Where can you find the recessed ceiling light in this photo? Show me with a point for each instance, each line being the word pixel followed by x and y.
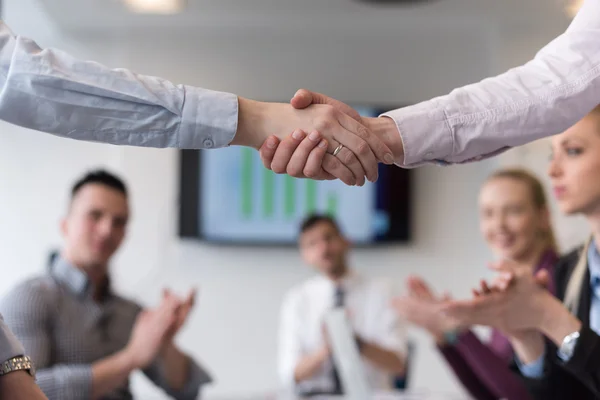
pixel 155 6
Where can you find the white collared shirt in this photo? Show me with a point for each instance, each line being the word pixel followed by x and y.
pixel 300 330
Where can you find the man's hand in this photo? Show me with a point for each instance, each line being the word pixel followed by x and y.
pixel 297 154
pixel 150 332
pixel 185 306
pixel 358 149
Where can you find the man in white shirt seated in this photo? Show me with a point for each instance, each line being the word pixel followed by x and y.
pixel 305 359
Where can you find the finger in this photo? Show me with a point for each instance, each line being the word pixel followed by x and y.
pixel 360 156
pixel 351 161
pixel 542 277
pixel 334 166
pixel 303 98
pixel 268 149
pixel 285 150
pixel 376 147
pixel 314 165
pixel 446 296
pixel 484 287
pixel 191 298
pixel 299 159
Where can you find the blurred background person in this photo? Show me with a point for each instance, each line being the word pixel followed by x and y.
pixel 84 339
pixel 515 222
pixel 305 358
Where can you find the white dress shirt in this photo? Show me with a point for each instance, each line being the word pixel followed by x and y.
pixel 300 331
pixel 541 98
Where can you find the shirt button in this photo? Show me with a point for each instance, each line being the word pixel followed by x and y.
pixel 208 143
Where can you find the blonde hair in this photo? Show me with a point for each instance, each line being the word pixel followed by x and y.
pixel 573 291
pixel 538 196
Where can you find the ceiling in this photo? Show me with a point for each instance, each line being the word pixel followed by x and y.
pixel 93 15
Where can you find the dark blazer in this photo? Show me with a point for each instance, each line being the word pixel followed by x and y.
pixel 579 378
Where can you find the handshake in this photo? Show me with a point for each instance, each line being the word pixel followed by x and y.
pixel 318 137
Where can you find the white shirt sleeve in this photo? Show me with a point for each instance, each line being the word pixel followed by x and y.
pixel 50 91
pixel 289 346
pixel 544 97
pixel 391 329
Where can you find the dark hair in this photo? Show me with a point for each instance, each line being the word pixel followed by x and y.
pixel 315 219
pixel 101 177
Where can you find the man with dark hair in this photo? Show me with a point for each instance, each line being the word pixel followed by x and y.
pixel 305 363
pixel 83 338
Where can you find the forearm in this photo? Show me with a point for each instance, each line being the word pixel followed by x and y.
pixel 310 364
pixel 557 321
pixel 20 385
pixel 383 358
pixel 111 373
pixel 176 367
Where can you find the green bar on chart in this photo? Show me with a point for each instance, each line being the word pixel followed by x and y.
pixel 268 193
pixel 247 185
pixel 311 196
pixel 289 196
pixel 332 202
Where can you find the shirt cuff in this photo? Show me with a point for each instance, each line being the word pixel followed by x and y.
pixel 425 133
pixel 10 347
pixel 197 376
pixel 66 382
pixel 534 370
pixel 209 119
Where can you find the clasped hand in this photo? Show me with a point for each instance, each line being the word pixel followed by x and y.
pixel 319 138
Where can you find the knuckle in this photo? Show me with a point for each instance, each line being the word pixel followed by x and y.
pixel 310 172
pixel 363 148
pixel 349 158
pixel 294 171
pixel 362 132
pixel 278 168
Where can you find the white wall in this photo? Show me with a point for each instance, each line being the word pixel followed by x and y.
pixel 233 329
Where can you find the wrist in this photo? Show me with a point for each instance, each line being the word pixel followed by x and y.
pixel 251 123
pixel 127 360
pixel 557 321
pixel 385 129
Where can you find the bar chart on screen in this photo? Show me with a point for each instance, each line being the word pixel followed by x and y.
pixel 245 200
pixel 283 194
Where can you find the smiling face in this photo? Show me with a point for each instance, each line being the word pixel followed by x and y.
pixel 95 225
pixel 512 222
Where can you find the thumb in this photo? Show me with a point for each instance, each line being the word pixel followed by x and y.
pixel 304 98
pixel 542 278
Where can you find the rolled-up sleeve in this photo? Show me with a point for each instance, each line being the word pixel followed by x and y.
pixel 50 91
pixel 10 347
pixel 27 310
pixel 197 377
pixel 541 98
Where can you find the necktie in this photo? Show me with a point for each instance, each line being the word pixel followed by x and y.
pixel 338 302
